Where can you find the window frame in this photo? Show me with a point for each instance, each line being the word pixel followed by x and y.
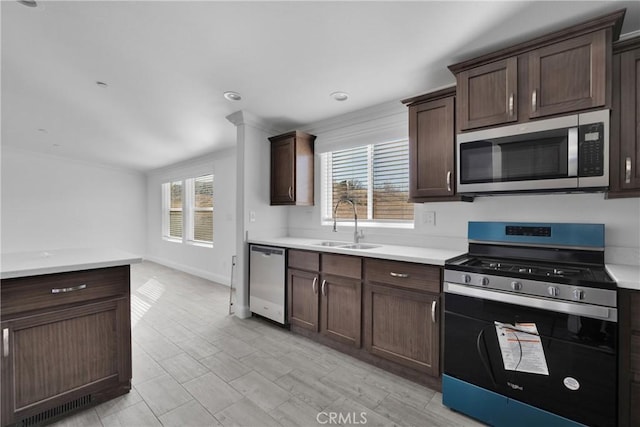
pixel 326 205
pixel 188 211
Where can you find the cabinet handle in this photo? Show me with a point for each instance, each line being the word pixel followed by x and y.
pixel 511 105
pixel 627 170
pixel 433 311
pixel 290 193
pixel 65 290
pixel 534 100
pixel 399 275
pixel 324 291
pixel 449 181
pixel 5 342
pixel 314 285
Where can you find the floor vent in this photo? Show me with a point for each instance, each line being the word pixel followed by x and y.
pixel 45 416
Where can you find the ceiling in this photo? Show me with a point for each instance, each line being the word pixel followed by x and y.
pixel 167 64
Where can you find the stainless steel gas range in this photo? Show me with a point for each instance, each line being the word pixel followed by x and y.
pixel 531 326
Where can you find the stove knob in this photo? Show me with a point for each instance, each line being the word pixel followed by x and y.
pixel 484 281
pixel 553 291
pixel 578 294
pixel 516 286
pixel 466 278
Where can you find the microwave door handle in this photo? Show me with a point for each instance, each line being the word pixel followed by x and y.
pixel 572 152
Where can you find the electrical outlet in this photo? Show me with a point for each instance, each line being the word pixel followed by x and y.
pixel 252 216
pixel 429 218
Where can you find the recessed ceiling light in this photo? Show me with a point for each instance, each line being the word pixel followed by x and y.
pixel 28 3
pixel 101 84
pixel 340 96
pixel 232 96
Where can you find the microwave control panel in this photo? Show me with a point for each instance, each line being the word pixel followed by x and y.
pixel 591 149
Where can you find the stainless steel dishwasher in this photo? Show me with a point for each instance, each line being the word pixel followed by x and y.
pixel 267 282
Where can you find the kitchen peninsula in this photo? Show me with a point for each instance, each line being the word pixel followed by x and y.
pixel 66 331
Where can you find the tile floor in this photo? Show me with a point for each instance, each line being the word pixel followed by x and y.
pixel 194 365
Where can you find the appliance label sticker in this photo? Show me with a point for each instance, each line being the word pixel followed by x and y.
pixel 521 348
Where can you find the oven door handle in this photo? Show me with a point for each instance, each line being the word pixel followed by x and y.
pixel 484 360
pixel 577 309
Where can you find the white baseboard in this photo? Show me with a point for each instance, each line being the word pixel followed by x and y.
pixel 223 280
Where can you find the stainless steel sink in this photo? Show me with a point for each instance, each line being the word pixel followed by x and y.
pixel 360 246
pixel 332 244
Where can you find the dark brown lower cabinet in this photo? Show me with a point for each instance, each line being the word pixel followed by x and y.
pixel 59 359
pixel 341 309
pixel 386 313
pixel 303 299
pixel 398 326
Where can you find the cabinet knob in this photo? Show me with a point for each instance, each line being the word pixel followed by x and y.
pixel 324 290
pixel 627 170
pixel 398 275
pixel 314 285
pixel 449 181
pixel 291 193
pixel 534 100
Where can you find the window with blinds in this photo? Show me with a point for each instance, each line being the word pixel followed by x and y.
pixel 175 209
pixel 203 209
pixel 374 177
pixel 188 210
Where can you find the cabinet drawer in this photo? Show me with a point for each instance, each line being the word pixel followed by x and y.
pixel 51 290
pixel 304 260
pixel 404 274
pixel 342 265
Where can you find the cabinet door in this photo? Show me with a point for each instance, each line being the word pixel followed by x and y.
pixel 568 76
pixel 487 95
pixel 629 120
pixel 65 359
pixel 403 326
pixel 431 149
pixel 303 299
pixel 341 309
pixel 283 172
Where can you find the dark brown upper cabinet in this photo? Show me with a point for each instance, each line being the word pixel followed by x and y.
pixel 624 178
pixel 558 73
pixel 432 146
pixel 490 94
pixel 292 169
pixel 570 75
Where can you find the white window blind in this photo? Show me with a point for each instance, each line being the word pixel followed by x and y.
pixel 175 209
pixel 375 177
pixel 203 209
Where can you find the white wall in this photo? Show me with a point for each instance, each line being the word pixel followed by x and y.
pixel 211 263
pixel 50 202
pixel 389 121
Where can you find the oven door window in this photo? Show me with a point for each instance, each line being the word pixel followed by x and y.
pixel 579 352
pixel 543 155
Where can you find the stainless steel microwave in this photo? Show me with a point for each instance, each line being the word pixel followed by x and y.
pixel 569 153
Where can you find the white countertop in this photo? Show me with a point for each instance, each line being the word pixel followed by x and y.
pixel 627 276
pixel 433 256
pixel 22 264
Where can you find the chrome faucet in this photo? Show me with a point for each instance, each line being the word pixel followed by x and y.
pixel 356 236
